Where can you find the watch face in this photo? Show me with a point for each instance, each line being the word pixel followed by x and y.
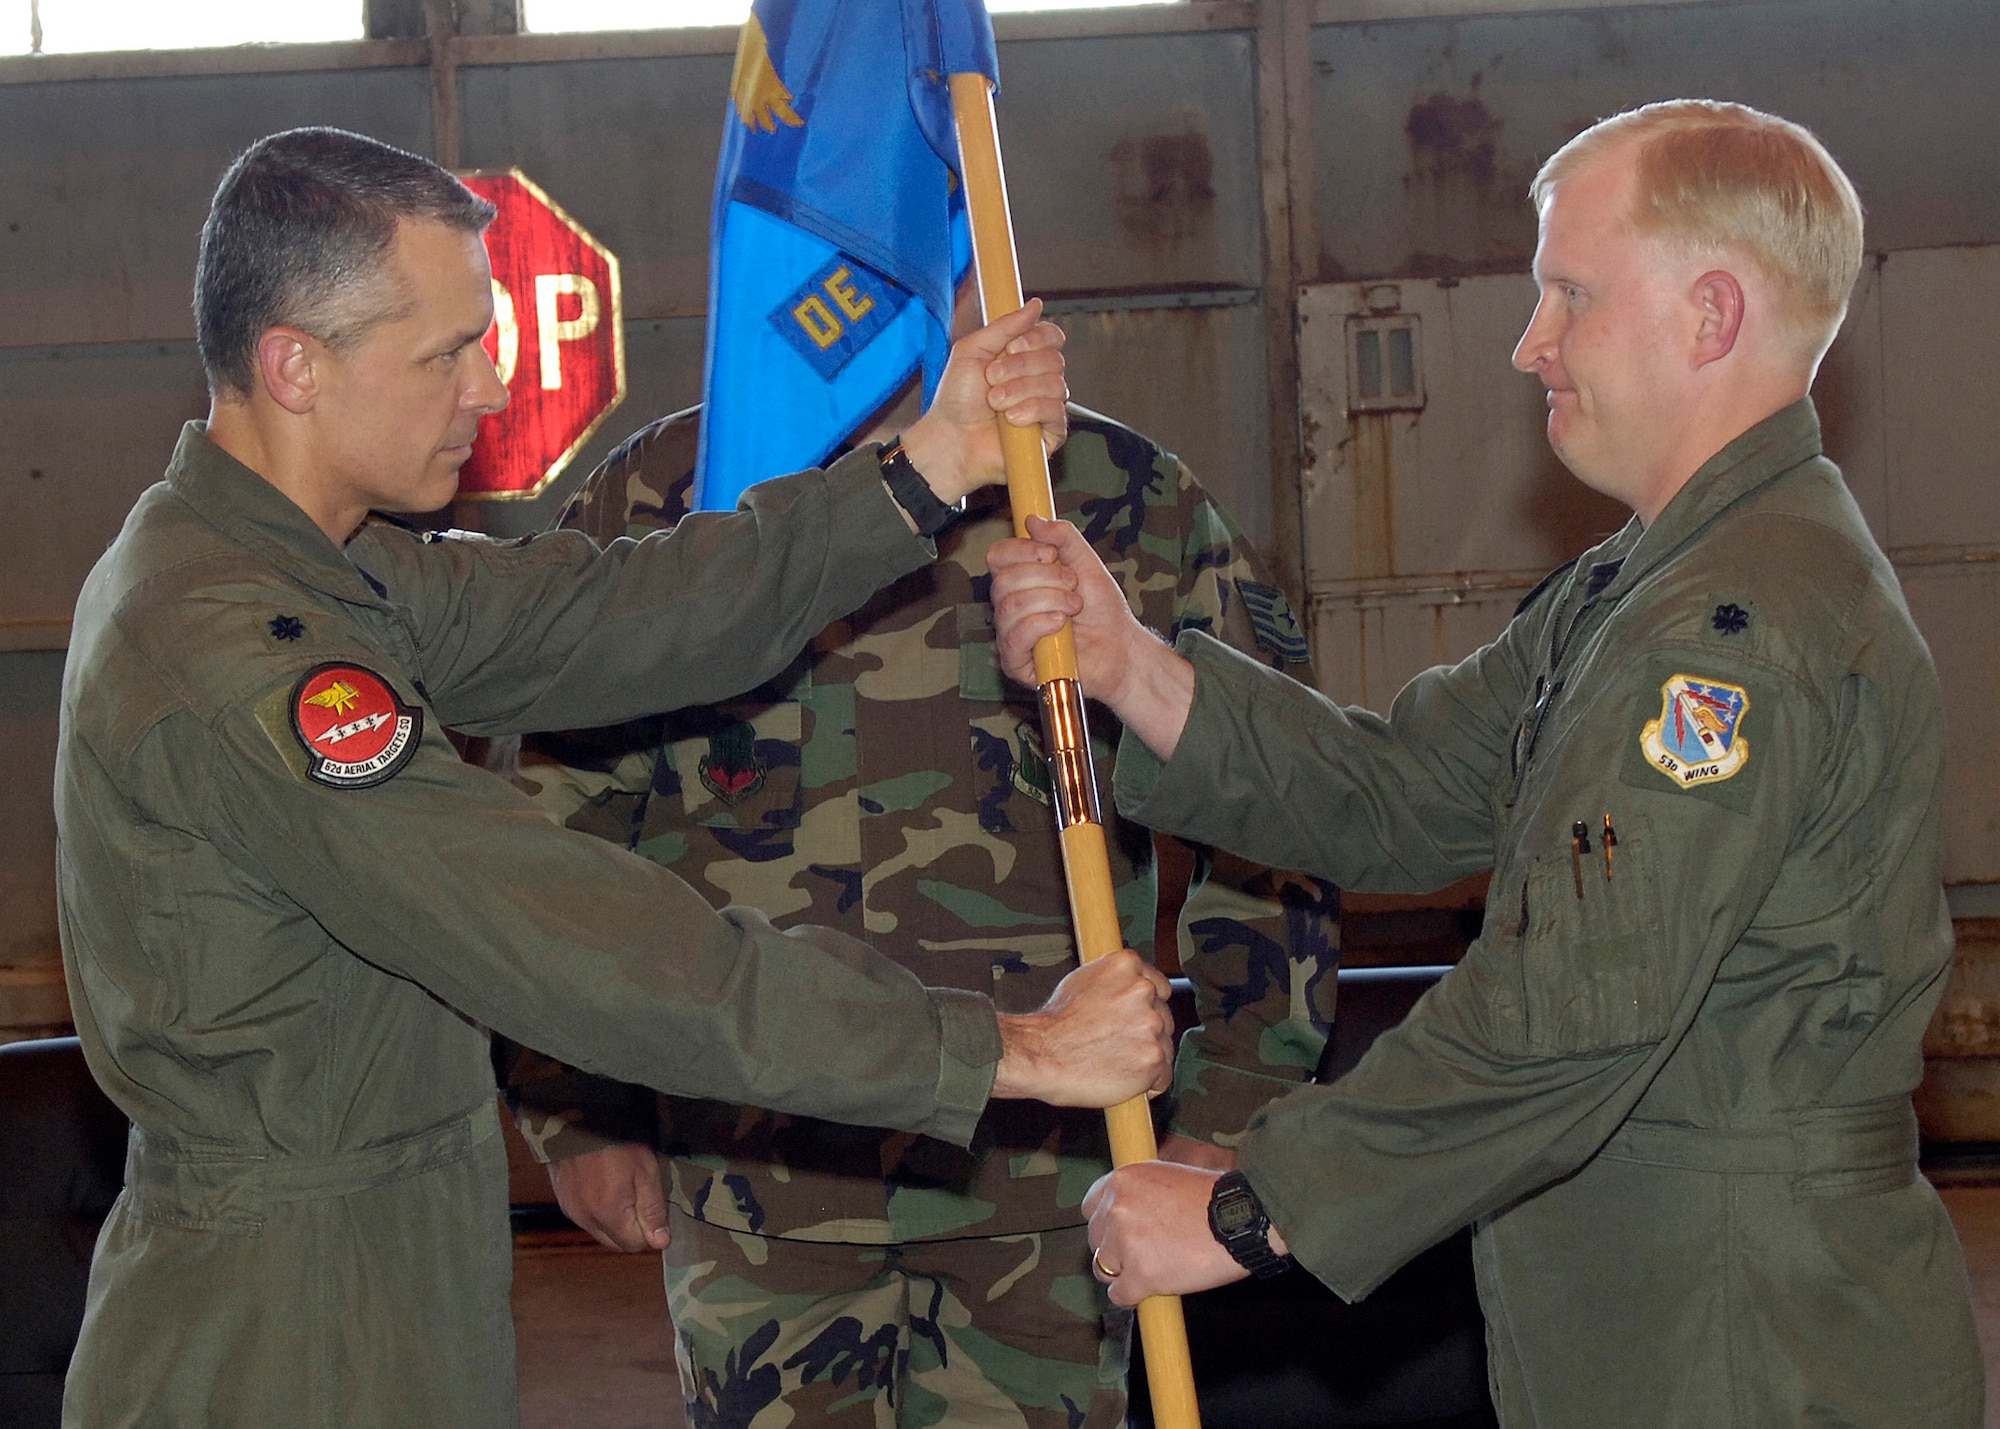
pixel 1234 1214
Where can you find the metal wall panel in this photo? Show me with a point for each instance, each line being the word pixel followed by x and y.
pixel 87 429
pixel 1427 132
pixel 1132 161
pixel 1941 393
pixel 103 186
pixel 31 993
pixel 1368 646
pixel 1940 399
pixel 628 147
pixel 1848 394
pixel 1957 607
pixel 1192 379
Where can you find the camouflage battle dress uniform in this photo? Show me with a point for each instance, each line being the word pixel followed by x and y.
pixel 888 784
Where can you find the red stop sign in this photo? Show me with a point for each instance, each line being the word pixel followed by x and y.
pixel 558 340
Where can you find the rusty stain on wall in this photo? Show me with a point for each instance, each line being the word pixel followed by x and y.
pixel 1467 197
pixel 1449 136
pixel 1166 184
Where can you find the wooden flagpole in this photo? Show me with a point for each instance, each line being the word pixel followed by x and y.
pixel 1086 867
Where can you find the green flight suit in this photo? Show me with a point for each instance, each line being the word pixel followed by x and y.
pixel 287 985
pixel 1669 1084
pixel 892 784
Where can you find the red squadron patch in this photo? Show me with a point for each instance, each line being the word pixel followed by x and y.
pixel 355 731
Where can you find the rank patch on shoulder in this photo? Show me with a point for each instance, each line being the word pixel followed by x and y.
pixel 1698 738
pixel 1277 628
pixel 356 732
pixel 1730 618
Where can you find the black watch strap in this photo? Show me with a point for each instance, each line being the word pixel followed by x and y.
pixel 1236 1218
pixel 912 492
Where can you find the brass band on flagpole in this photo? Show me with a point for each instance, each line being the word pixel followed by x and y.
pixel 1086 866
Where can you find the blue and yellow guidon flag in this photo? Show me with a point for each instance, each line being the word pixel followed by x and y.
pixel 839 231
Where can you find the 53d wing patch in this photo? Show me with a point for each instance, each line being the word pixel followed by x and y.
pixel 1698 738
pixel 355 731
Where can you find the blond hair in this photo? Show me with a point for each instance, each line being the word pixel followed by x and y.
pixel 1719 175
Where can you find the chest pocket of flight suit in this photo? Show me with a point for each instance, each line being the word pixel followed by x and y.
pixel 1596 973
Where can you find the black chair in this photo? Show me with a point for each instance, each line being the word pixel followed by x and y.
pixel 1287 1353
pixel 62 1162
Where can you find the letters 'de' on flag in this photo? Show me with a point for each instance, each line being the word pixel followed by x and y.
pixel 557 340
pixel 839 230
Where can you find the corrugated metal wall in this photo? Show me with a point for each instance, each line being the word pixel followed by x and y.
pixel 1177 174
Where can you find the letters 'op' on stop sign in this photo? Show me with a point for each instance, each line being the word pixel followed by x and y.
pixel 558 340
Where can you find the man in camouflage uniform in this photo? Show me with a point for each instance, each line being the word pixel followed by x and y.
pixel 890 782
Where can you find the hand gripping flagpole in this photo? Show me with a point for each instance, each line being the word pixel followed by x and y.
pixel 1087 869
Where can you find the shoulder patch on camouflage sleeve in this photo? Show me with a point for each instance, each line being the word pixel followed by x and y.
pixel 1271 617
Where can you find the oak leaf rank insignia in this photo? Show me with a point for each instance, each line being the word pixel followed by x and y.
pixel 356 731
pixel 1698 738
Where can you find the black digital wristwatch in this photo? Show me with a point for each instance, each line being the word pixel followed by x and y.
pixel 1237 1218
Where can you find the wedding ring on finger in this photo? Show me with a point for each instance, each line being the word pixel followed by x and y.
pixel 1104 1272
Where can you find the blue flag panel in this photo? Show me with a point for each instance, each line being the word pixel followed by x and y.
pixel 839 232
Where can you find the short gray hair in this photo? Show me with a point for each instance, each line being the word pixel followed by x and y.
pixel 297 234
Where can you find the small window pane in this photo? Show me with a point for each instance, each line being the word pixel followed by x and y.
pixel 1368 363
pixel 629 14
pixel 1402 362
pixel 653 14
pixel 74 26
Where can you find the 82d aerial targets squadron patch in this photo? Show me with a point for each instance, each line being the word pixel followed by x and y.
pixel 356 732
pixel 1698 738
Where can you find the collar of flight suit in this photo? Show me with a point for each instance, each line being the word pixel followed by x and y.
pixel 1774 446
pixel 256 515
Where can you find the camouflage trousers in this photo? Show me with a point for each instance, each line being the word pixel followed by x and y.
pixel 1007 1333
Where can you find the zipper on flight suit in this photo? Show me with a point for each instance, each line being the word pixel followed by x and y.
pixel 1561 635
pixel 1548 688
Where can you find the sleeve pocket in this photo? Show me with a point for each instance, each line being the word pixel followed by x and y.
pixel 1594 967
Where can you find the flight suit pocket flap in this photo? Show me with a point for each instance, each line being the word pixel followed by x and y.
pixel 1593 955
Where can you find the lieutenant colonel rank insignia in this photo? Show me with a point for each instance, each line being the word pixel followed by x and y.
pixel 1698 738
pixel 356 732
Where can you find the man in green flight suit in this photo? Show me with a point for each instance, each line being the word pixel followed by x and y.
pixel 890 783
pixel 1669 1085
pixel 290 913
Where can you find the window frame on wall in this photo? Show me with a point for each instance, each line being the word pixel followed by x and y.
pixel 181 33
pixel 714 13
